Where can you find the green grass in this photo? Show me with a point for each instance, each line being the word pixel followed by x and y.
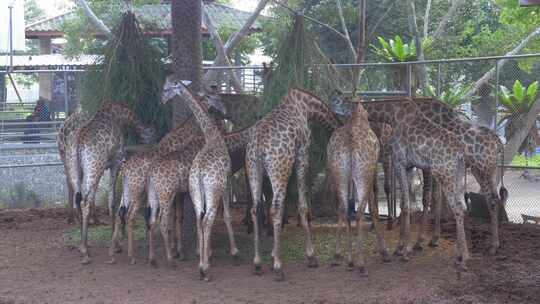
pixel 102 233
pixel 521 160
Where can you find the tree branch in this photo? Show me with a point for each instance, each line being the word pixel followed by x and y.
pixel 345 31
pixel 426 18
pixel 372 32
pixel 100 26
pixel 421 69
pixel 523 127
pixel 220 48
pixel 491 73
pixel 233 41
pixel 441 29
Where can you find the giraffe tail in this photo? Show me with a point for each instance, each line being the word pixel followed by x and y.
pixel 203 197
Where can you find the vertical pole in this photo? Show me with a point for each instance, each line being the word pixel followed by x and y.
pixel 66 95
pixel 408 80
pixel 10 37
pixel 439 79
pixel 494 122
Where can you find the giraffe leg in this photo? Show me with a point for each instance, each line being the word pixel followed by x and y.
pixel 207 223
pixel 379 229
pixel 276 213
pixel 178 227
pixel 255 177
pixel 404 231
pixel 361 263
pixel 302 166
pixel 115 240
pixel 449 190
pixel 436 205
pixel 85 210
pixel 227 218
pixel 488 189
pixel 341 186
pixel 426 197
pixel 132 213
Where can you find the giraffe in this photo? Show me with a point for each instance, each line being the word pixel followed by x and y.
pixel 278 142
pixel 96 146
pixel 170 175
pixel 137 167
pixel 416 141
pixel 209 170
pixel 68 128
pixel 352 152
pixel 482 146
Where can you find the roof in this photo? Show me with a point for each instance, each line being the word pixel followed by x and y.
pixel 52 61
pixel 157 15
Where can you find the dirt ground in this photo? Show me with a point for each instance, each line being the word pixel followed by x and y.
pixel 37 265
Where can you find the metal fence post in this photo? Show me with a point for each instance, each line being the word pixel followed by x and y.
pixel 66 93
pixel 494 123
pixel 409 80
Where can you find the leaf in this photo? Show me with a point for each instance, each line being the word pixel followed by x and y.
pixel 399 49
pixel 532 90
pixel 519 91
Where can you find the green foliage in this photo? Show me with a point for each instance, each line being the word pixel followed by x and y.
pixel 72 236
pixel 454 97
pixel 131 72
pixel 525 161
pixel 520 99
pixel 18 196
pixel 79 32
pixel 395 50
pixel 246 47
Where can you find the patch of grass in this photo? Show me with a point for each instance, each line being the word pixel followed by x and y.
pixel 521 160
pixel 102 233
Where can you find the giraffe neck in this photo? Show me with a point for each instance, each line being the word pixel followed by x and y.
pixel 443 115
pixel 359 120
pixel 207 125
pixel 316 109
pixel 381 111
pixel 238 140
pixel 121 114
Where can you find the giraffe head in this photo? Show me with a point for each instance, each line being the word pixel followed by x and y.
pixel 339 105
pixel 176 87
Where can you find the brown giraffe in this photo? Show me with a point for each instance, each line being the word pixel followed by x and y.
pixel 482 147
pixel 278 142
pixel 96 146
pixel 209 170
pixel 352 154
pixel 170 175
pixel 137 167
pixel 69 127
pixel 418 142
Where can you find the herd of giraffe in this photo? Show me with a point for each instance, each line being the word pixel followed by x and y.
pixel 415 133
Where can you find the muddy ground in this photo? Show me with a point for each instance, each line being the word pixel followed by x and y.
pixel 39 264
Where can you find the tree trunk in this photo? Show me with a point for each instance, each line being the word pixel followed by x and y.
pixel 426 18
pixel 485 107
pixel 187 64
pixel 413 27
pixel 100 26
pixel 523 128
pixel 221 51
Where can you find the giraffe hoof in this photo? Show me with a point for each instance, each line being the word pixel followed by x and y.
pixel 257 270
pixel 405 258
pixel 386 257
pixel 132 261
pixel 362 271
pixel 313 262
pixel 86 260
pixel 337 260
pixel 418 247
pixel 112 261
pixel 350 266
pixel 237 260
pixel 279 276
pixel 434 243
pixel 153 263
pixel 399 251
pixel 204 276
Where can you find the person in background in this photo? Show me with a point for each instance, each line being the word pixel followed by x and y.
pixel 41 110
